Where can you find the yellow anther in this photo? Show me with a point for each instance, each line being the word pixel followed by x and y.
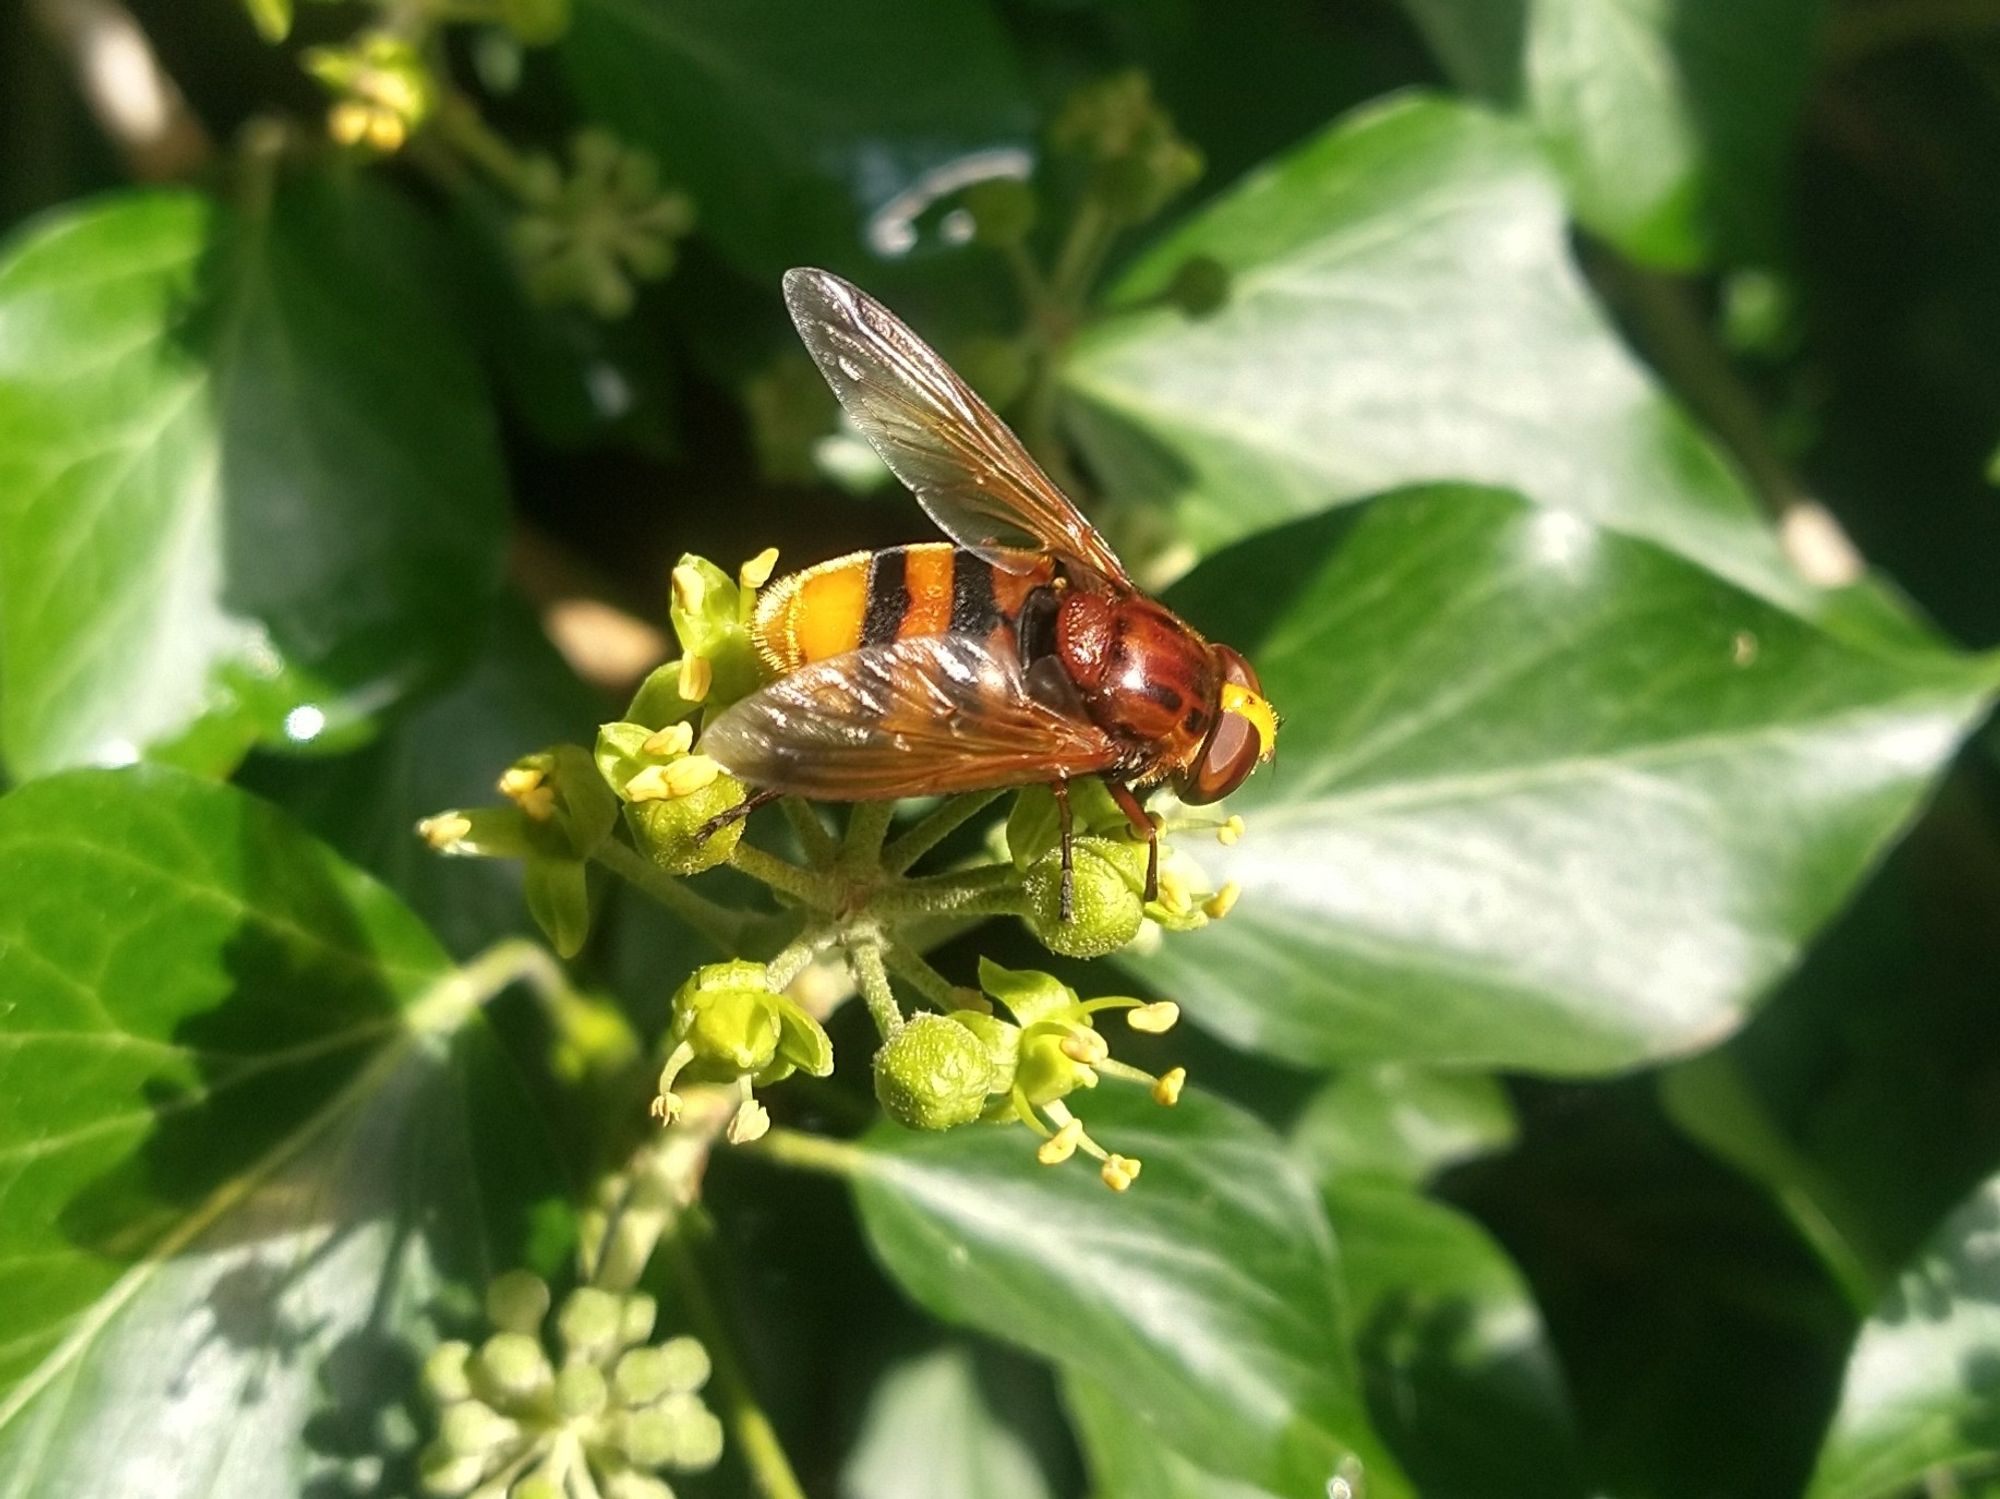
pixel 519 781
pixel 674 739
pixel 689 589
pixel 1167 1087
pixel 1223 901
pixel 347 122
pixel 696 677
pixel 1174 893
pixel 757 571
pixel 1120 1171
pixel 751 1122
pixel 1060 1146
pixel 667 1107
pixel 444 830
pixel 1230 832
pixel 529 790
pixel 689 774
pixel 1085 1046
pixel 649 785
pixel 1154 1019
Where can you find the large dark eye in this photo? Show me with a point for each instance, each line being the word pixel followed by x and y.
pixel 1236 669
pixel 1231 755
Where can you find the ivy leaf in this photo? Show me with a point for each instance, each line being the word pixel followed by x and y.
pixel 1404 1124
pixel 1546 797
pixel 1670 123
pixel 940 1425
pixel 252 1132
pixel 799 140
pixel 1402 307
pixel 1922 1392
pixel 249 481
pixel 1125 1460
pixel 1461 1377
pixel 1208 1295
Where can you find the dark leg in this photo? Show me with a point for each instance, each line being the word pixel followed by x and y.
pixel 1142 827
pixel 1067 905
pixel 736 813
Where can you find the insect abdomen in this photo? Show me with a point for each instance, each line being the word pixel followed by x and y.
pixel 874 598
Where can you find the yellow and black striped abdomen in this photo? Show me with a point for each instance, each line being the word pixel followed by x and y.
pixel 873 598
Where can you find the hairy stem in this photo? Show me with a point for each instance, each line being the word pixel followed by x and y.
pixel 867 824
pixel 917 972
pixel 812 834
pixel 934 827
pixel 865 957
pixel 807 1152
pixel 783 876
pixel 721 926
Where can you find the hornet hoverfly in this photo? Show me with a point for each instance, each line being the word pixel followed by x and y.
pixel 1017 652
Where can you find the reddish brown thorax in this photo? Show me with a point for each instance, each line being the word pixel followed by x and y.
pixel 1145 677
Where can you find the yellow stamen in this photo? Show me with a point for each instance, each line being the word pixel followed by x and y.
pixel 1084 1046
pixel 443 831
pixel 757 571
pixel 1167 1087
pixel 1174 893
pixel 529 790
pixel 1120 1171
pixel 649 785
pixel 674 739
pixel 689 589
pixel 347 122
pixel 1247 705
pixel 386 132
pixel 1155 1019
pixel 1223 901
pixel 667 1107
pixel 1060 1146
pixel 690 774
pixel 519 781
pixel 1230 832
pixel 695 679
pixel 751 1122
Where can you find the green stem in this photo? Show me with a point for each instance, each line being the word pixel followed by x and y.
pixel 867 825
pixel 459 122
pixel 722 927
pixel 783 876
pixel 756 1437
pixel 812 834
pixel 934 827
pixel 805 1152
pixel 989 890
pixel 792 961
pixel 917 971
pixel 873 980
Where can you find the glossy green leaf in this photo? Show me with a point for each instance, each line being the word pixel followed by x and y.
pixel 937 1427
pixel 1545 797
pixel 252 1130
pixel 1207 1295
pixel 249 480
pixel 1671 122
pixel 1461 1378
pixel 1403 307
pixel 1126 1462
pixel 1921 1398
pixel 798 139
pixel 1402 1123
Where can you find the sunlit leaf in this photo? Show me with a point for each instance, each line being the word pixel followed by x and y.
pixel 1207 1296
pixel 936 1427
pixel 1402 1123
pixel 1545 797
pixel 252 1130
pixel 249 481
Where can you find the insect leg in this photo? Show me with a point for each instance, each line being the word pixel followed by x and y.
pixel 736 813
pixel 1142 826
pixel 1066 906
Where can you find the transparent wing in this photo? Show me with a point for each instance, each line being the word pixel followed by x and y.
pixel 965 467
pixel 934 714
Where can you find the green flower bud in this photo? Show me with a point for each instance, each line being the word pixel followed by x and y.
pixel 670 831
pixel 685 1365
pixel 1002 209
pixel 641 1377
pixel 443 1471
pixel 711 619
pixel 538 1486
pixel 1107 910
pixel 589 1323
pixel 1029 995
pixel 932 1074
pixel 510 1369
pixel 517 1301
pixel 535 22
pixel 648 1437
pixel 635 1323
pixel 999 1041
pixel 629 1484
pixel 446 1376
pixel 563 788
pixel 698 1441
pixel 1047 1071
pixel 1200 286
pixel 735 1026
pixel 1034 826
pixel 470 1428
pixel 581 1391
pixel 558 894
pixel 486 833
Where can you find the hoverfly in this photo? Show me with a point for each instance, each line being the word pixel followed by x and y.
pixel 1018 652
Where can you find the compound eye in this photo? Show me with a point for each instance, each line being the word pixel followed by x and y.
pixel 1236 669
pixel 1231 756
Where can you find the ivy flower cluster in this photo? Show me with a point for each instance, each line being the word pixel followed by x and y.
pixel 647 806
